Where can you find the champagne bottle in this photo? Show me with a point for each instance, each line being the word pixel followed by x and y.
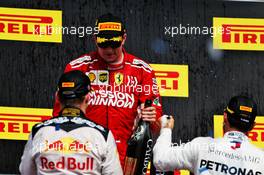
pixel 139 148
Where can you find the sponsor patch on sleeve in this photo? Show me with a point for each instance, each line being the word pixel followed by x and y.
pixel 81 60
pixel 142 63
pixel 98 77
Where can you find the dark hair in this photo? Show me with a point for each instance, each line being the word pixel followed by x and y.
pixel 234 123
pixel 71 102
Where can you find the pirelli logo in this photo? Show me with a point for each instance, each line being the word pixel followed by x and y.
pixel 256 135
pixel 172 79
pixel 115 26
pixel 30 25
pixel 245 108
pixel 16 123
pixel 238 34
pixel 68 84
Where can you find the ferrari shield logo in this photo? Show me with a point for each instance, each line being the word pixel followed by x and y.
pixel 119 78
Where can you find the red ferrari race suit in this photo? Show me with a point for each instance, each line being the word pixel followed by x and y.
pixel 117 92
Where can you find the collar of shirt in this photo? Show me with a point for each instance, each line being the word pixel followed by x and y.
pixel 70 111
pixel 236 135
pixel 112 67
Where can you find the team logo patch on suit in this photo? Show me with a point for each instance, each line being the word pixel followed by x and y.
pixel 235 145
pixel 67 145
pixel 98 77
pixel 92 76
pixel 157 101
pixel 103 77
pixel 71 112
pixel 119 77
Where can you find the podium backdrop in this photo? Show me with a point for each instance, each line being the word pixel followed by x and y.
pixel 29 70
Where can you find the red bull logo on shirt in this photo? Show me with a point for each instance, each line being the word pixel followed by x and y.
pixel 67 145
pixel 68 163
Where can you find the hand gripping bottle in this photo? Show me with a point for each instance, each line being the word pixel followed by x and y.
pixel 139 150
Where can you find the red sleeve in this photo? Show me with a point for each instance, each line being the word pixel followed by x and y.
pixel 56 107
pixel 151 92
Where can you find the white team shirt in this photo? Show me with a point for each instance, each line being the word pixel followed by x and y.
pixel 82 150
pixel 233 154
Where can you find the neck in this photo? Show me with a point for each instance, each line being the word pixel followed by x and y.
pixel 230 129
pixel 83 108
pixel 120 60
pixel 78 106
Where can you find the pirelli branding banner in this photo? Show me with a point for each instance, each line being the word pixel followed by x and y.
pixel 256 135
pixel 30 25
pixel 16 123
pixel 238 34
pixel 173 80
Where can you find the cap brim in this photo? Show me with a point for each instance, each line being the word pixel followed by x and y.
pixel 109 34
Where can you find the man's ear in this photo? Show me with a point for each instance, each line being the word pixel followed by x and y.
pixel 254 124
pixel 86 98
pixel 225 117
pixel 124 39
pixel 56 95
pixel 225 123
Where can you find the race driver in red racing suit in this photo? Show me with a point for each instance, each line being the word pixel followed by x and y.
pixel 121 84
